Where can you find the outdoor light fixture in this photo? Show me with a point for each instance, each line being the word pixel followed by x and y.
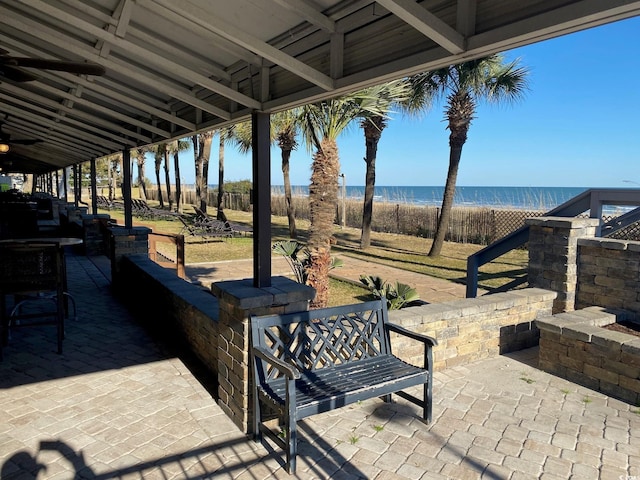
pixel 4 147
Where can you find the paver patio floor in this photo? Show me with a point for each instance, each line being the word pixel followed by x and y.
pixel 118 404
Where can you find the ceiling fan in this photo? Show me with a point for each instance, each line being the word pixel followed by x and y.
pixel 6 142
pixel 12 67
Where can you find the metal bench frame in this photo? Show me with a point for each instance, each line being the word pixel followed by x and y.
pixel 316 361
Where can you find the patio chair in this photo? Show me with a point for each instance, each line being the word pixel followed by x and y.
pixel 217 227
pixel 31 269
pixel 187 228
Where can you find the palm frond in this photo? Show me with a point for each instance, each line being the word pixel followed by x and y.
pixel 328 119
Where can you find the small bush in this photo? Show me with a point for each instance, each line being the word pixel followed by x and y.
pixel 398 295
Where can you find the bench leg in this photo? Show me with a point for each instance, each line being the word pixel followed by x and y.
pixel 291 427
pixel 426 413
pixel 257 417
pixel 291 431
pixel 428 387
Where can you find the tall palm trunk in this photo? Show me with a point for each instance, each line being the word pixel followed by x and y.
pixel 142 188
pixel 204 149
pixel 372 132
pixel 460 113
pixel 323 198
pixel 197 163
pixel 167 179
pixel 176 161
pixel 157 165
pixel 291 211
pixel 113 179
pixel 220 214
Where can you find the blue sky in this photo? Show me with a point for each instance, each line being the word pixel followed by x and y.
pixel 577 126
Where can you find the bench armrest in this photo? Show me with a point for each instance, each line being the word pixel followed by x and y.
pixel 427 340
pixel 289 370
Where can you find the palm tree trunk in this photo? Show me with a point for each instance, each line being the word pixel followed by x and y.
pixel 205 152
pixel 197 163
pixel 372 131
pixel 142 188
pixel 455 153
pixel 158 160
pixel 176 161
pixel 220 214
pixel 291 211
pixel 460 113
pixel 112 181
pixel 167 166
pixel 323 201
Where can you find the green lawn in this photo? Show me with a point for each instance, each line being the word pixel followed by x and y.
pixel 401 251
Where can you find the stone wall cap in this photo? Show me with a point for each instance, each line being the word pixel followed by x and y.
pixel 564 222
pixel 94 215
pixel 120 230
pixel 243 294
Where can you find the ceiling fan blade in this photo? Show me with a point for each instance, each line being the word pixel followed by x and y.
pixel 71 67
pixel 15 74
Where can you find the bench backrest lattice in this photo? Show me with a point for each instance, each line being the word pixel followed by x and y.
pixel 310 342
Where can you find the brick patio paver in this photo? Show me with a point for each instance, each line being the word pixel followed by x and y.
pixel 119 404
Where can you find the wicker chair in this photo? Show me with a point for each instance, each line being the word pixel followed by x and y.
pixel 28 269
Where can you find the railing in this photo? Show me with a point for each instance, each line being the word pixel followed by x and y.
pixel 592 200
pixel 164 260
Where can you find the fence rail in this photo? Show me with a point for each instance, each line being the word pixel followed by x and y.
pixel 166 259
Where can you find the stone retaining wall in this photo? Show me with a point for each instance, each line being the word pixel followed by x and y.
pixel 163 300
pixel 609 274
pixel 574 346
pixel 553 251
pixel 474 328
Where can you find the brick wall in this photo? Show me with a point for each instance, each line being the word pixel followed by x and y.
pixel 575 346
pixel 94 233
pixel 553 251
pixel 165 301
pixel 474 328
pixel 126 241
pixel 609 274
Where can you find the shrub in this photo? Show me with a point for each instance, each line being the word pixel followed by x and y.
pixel 297 255
pixel 398 295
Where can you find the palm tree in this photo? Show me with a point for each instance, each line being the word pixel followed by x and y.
pixel 489 79
pixel 196 155
pixel 114 162
pixel 175 148
pixel 321 124
pixel 225 135
pixel 388 94
pixel 167 166
pixel 285 126
pixel 158 151
pixel 140 159
pixel 202 167
pixel 284 129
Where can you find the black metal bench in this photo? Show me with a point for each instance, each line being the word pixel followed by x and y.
pixel 311 362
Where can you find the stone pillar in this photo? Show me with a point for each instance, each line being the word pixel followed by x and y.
pixel 553 252
pixel 126 241
pixel 238 300
pixel 93 233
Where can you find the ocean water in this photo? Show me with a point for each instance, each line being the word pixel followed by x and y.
pixel 529 198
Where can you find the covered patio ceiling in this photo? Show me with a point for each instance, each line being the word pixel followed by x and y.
pixel 177 67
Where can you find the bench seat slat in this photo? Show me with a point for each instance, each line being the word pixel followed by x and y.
pixel 325 389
